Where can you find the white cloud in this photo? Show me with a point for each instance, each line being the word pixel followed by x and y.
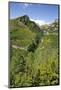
pixel 40 22
pixel 26 5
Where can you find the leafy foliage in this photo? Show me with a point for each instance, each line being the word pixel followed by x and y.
pixel 37 65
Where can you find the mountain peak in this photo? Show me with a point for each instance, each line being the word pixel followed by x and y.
pixel 26 16
pixel 24 19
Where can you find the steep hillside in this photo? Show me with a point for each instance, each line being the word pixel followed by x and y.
pixel 23 31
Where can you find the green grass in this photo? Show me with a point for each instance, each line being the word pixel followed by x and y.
pixel 22 37
pixel 37 68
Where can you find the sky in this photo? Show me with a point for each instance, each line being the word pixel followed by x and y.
pixel 40 13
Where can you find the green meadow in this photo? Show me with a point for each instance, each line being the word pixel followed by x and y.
pixel 34 53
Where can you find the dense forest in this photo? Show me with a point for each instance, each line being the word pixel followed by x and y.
pixel 34 53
